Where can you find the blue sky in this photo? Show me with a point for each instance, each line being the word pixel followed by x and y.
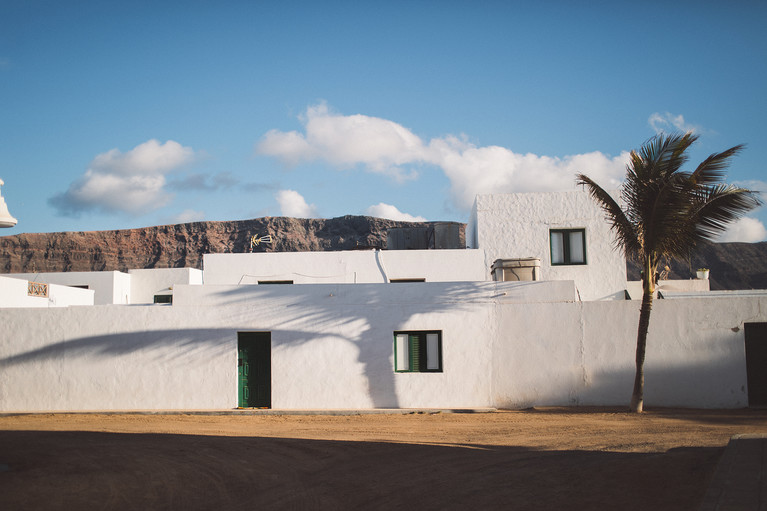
pixel 127 114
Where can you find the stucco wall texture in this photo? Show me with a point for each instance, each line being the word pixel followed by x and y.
pixel 504 344
pixel 517 226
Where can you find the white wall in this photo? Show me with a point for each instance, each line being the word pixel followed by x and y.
pixel 695 353
pixel 14 293
pixel 332 347
pixel 146 283
pixel 635 290
pixel 517 225
pixel 110 287
pixel 349 267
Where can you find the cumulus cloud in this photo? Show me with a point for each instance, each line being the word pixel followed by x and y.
pixel 382 210
pixel 131 182
pixel 662 123
pixel 383 146
pixel 745 230
pixel 346 141
pixel 188 215
pixel 293 204
pixel 755 185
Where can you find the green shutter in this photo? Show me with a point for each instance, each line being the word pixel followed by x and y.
pixel 415 352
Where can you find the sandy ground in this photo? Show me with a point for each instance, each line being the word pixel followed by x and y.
pixel 568 458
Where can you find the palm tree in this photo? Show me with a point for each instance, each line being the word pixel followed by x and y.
pixel 667 213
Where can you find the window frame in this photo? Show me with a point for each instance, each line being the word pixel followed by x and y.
pixel 566 255
pixel 163 298
pixel 423 351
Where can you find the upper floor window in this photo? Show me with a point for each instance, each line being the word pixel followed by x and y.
pixel 568 246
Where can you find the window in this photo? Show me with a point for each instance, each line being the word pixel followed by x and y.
pixel 407 280
pixel 163 298
pixel 568 246
pixel 277 282
pixel 418 352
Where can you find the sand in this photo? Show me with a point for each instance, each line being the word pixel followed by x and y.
pixel 553 458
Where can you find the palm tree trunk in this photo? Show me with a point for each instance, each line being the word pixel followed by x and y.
pixel 637 396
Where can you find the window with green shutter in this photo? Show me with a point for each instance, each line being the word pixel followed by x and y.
pixel 418 351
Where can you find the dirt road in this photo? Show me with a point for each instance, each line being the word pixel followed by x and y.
pixel 577 458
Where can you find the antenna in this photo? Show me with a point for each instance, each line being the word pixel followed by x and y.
pixel 255 240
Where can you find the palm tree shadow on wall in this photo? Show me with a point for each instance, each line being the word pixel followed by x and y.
pixel 352 315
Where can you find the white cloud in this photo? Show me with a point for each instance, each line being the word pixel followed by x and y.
pixel 383 146
pixel 293 204
pixel 205 182
pixel 474 170
pixel 188 215
pixel 131 182
pixel 382 210
pixel 745 230
pixel 661 122
pixel 346 141
pixel 754 185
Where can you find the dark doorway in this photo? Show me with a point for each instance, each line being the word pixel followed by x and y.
pixel 254 369
pixel 756 363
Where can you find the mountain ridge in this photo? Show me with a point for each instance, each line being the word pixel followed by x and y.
pixel 182 245
pixel 732 265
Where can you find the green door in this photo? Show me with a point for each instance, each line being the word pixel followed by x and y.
pixel 254 369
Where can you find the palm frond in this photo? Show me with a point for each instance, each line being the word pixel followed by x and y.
pixel 625 233
pixel 663 155
pixel 718 206
pixel 711 170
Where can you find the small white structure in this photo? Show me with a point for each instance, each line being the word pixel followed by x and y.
pixel 118 288
pixel 15 293
pixel 375 329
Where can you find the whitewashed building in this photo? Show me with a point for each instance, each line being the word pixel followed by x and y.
pixel 383 329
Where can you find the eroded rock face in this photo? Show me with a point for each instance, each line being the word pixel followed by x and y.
pixel 182 245
pixel 732 265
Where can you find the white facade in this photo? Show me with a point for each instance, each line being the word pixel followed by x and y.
pixel 15 293
pixel 332 346
pixel 147 283
pixel 561 340
pixel 114 287
pixel 519 226
pixel 345 267
pixel 109 287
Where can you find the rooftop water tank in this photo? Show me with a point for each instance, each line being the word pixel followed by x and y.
pixel 524 269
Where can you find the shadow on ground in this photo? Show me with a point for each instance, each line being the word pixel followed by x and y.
pixel 90 470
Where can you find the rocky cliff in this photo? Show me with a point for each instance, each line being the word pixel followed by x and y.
pixel 732 265
pixel 182 245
